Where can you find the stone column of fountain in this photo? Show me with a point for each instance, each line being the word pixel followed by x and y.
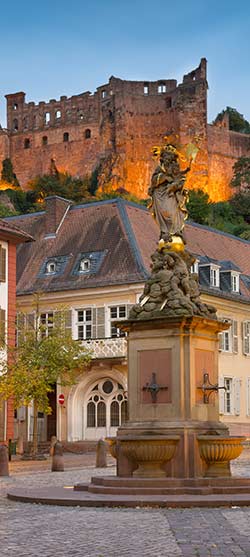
pixel 173 428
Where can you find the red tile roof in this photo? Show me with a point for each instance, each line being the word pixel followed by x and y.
pixel 126 235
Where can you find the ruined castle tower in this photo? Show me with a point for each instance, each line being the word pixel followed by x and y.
pixel 115 128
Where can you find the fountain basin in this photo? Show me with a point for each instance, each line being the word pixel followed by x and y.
pixel 150 453
pixel 217 451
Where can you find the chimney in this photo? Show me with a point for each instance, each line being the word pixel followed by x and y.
pixel 56 209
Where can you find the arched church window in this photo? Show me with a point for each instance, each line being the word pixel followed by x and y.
pixel 91 420
pixel 114 414
pixel 101 414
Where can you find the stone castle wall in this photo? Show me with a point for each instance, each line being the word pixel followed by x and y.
pixel 118 125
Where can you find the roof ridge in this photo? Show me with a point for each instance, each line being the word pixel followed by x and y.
pixel 121 205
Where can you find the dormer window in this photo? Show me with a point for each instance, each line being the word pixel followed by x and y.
pixel 51 267
pixel 235 282
pixel 84 265
pixel 214 276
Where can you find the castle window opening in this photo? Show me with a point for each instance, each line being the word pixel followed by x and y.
pixel 15 106
pixel 58 114
pixel 47 117
pixel 25 123
pixel 104 94
pixel 66 137
pixel 145 89
pixel 162 88
pixel 27 143
pixel 15 124
pixel 80 116
pixel 87 134
pixel 168 102
pixel 45 140
pixel 68 114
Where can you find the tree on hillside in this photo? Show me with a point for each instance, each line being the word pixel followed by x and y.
pixel 237 122
pixel 198 206
pixel 45 355
pixel 241 205
pixel 7 173
pixel 241 174
pixel 61 184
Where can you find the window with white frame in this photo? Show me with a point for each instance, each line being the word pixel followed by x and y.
pixel 248 396
pixel 228 395
pixel 84 265
pixel 194 268
pixel 51 267
pixel 246 337
pixel 228 340
pixel 84 323
pixel 214 276
pixel 46 323
pixel 235 282
pixel 117 313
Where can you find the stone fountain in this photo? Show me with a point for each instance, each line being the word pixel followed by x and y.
pixel 173 450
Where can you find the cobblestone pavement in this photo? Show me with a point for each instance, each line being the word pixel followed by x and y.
pixel 28 530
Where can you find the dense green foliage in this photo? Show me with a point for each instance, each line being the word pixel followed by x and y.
pixel 7 173
pixel 241 177
pixel 237 122
pixel 198 206
pixel 40 361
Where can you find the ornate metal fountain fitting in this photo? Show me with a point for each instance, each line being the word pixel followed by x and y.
pixel 153 388
pixel 208 388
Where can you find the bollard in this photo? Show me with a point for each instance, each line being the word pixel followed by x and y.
pixel 4 463
pixel 19 447
pixel 57 459
pixel 53 441
pixel 101 454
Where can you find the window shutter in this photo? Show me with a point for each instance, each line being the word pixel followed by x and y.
pixel 129 307
pixel 221 396
pixel 221 341
pixel 2 264
pixel 68 320
pixel 246 337
pixel 100 322
pixel 20 326
pixel 237 383
pixel 30 321
pixel 2 327
pixel 248 396
pixel 234 329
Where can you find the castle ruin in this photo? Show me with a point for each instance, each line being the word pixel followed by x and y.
pixel 115 128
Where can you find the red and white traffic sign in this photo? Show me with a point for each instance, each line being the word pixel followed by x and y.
pixel 61 398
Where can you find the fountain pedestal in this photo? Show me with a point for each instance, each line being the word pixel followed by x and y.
pixel 167 360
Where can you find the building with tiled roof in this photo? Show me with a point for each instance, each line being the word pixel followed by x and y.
pixel 93 259
pixel 10 237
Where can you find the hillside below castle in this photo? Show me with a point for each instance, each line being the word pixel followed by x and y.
pixel 113 130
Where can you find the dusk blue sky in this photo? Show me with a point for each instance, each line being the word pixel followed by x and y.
pixel 52 48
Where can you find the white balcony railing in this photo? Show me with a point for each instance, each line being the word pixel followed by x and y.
pixel 106 347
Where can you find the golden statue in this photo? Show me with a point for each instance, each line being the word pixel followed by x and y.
pixel 169 195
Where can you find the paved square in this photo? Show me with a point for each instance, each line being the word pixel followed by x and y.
pixel 43 531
